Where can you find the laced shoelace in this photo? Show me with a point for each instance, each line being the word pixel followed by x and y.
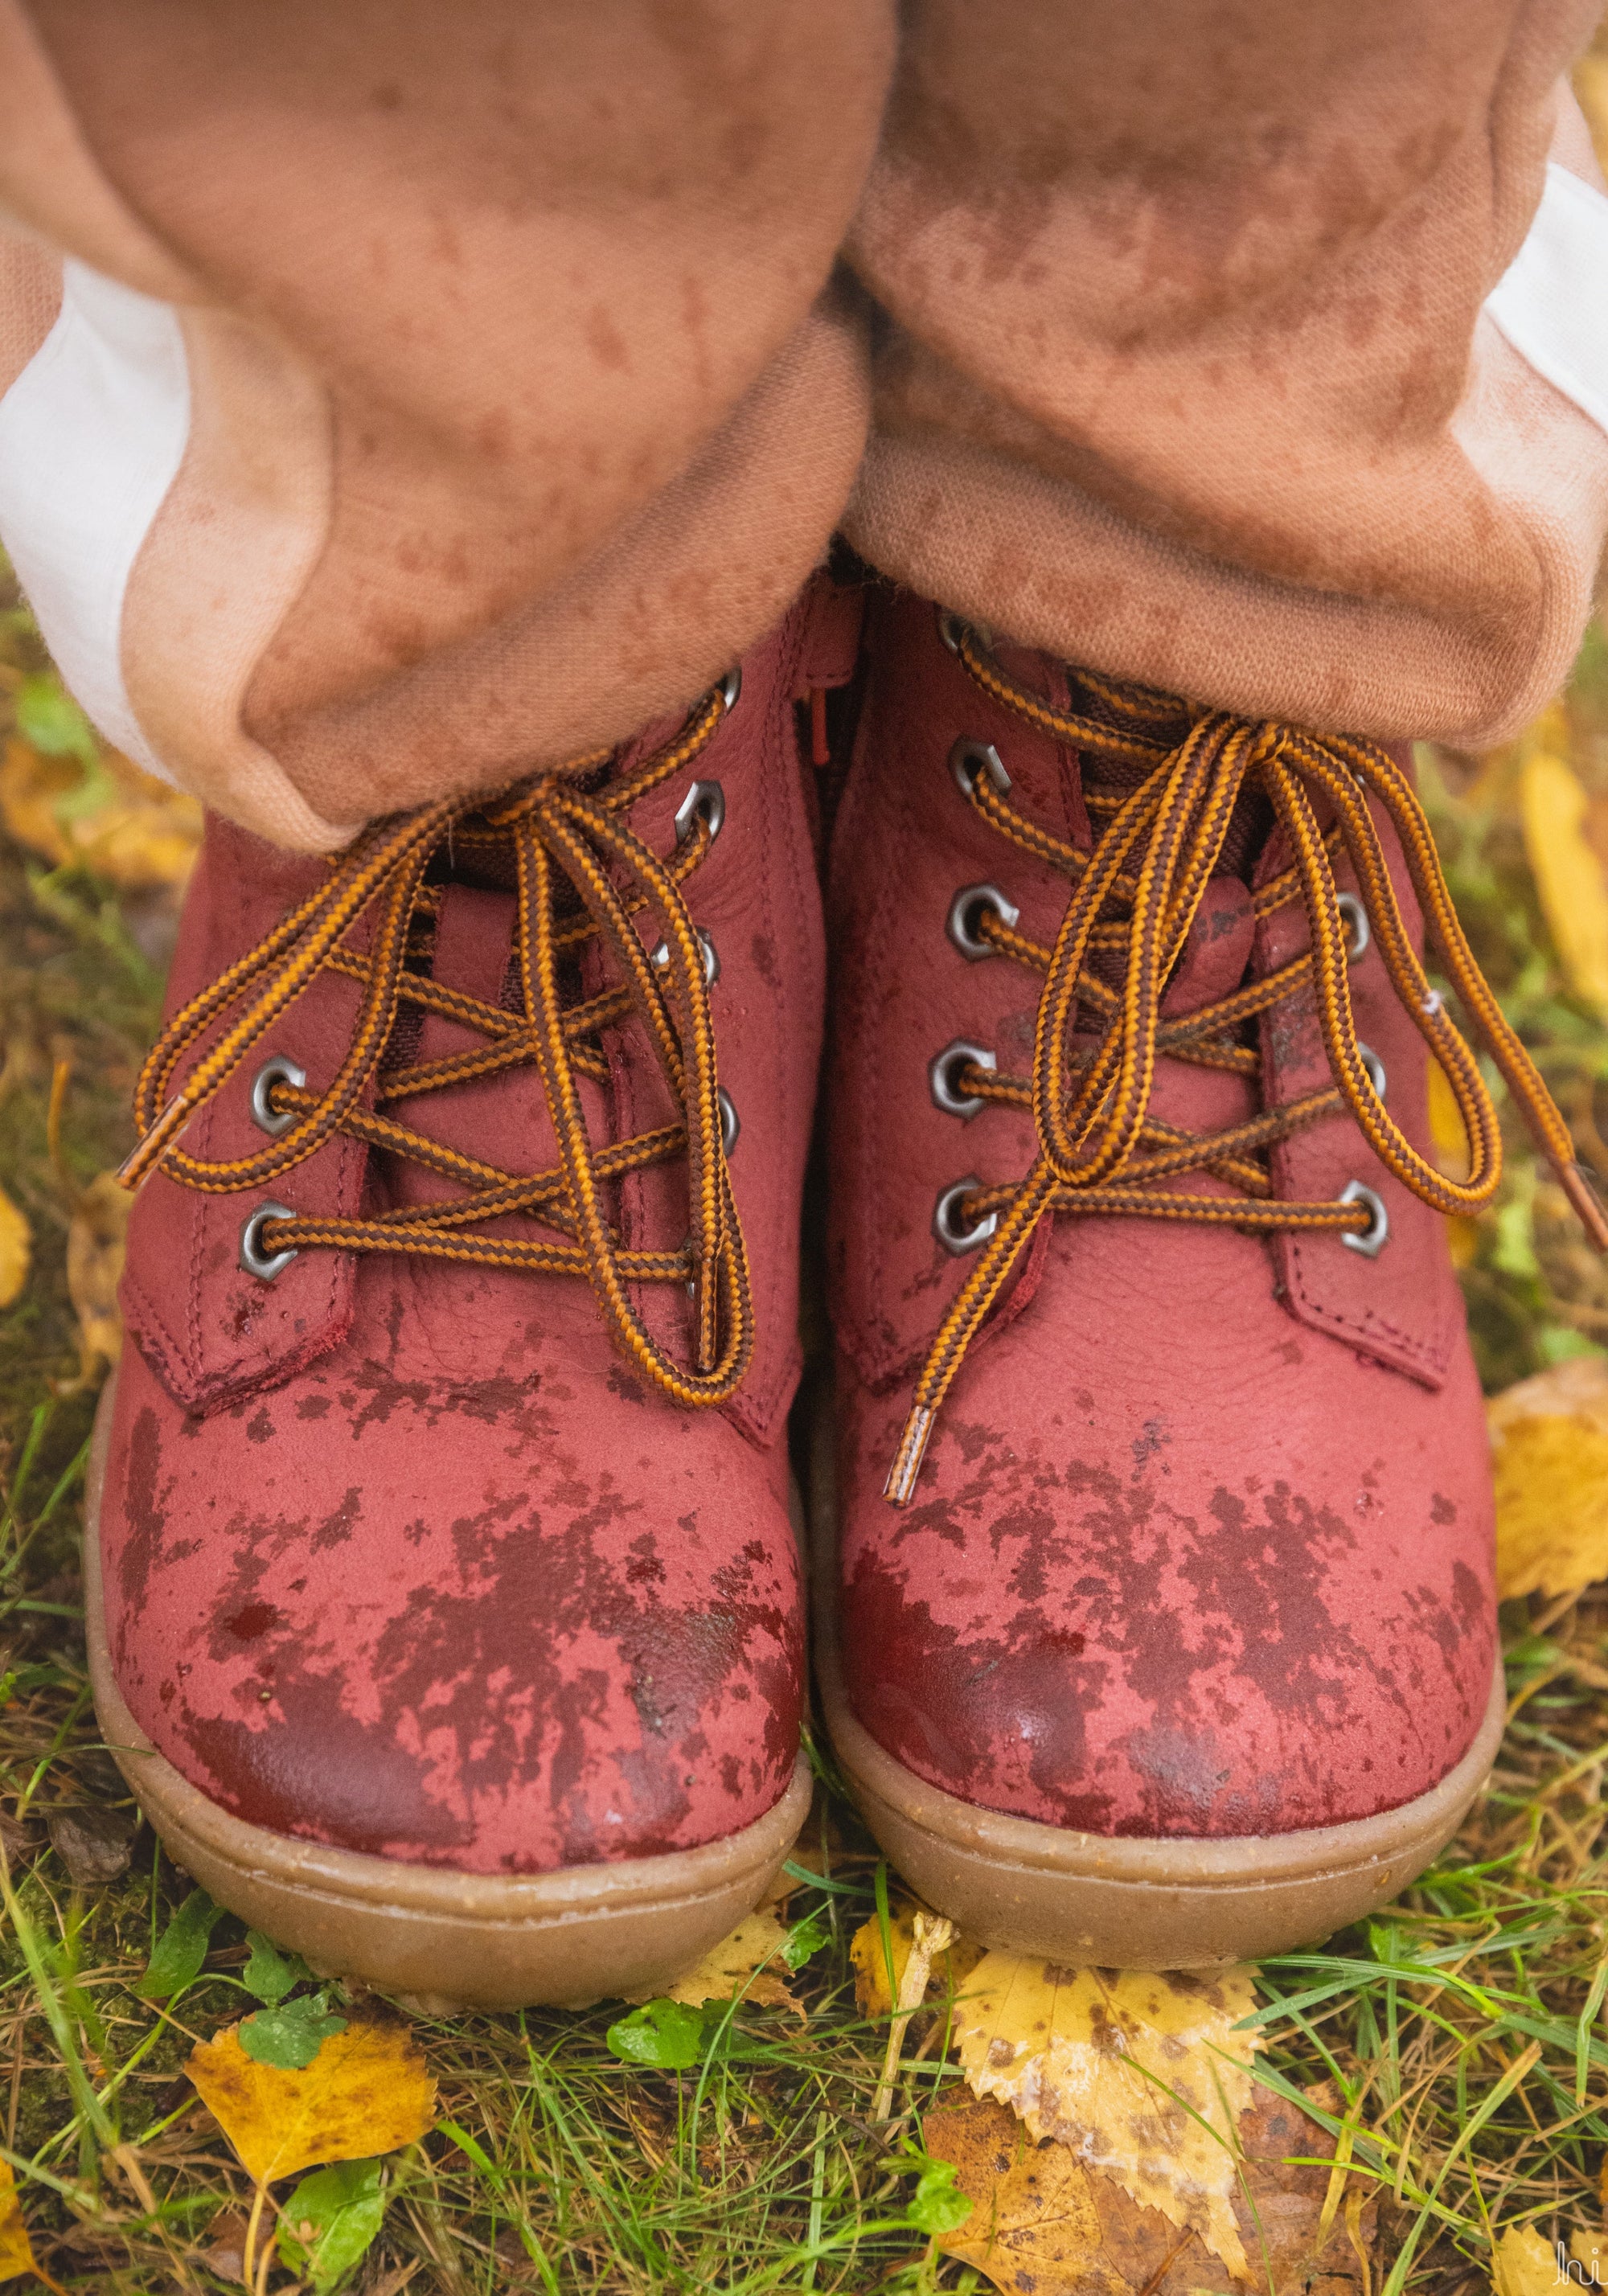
pixel 579 873
pixel 1133 898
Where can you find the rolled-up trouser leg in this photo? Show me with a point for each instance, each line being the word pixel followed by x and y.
pixel 393 399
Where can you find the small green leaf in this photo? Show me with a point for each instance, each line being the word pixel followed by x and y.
pixel 665 2034
pixel 291 2036
pixel 805 1938
pixel 935 2205
pixel 269 1974
pixel 330 2221
pixel 180 1948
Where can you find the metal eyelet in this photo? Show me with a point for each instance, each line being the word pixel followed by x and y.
pixel 1355 915
pixel 264 1116
pixel 1374 1065
pixel 941 1070
pixel 704 801
pixel 951 629
pixel 969 899
pixel 1373 1240
pixel 659 957
pixel 253 1259
pixel 968 758
pixel 729 689
pixel 961 1239
pixel 730 1123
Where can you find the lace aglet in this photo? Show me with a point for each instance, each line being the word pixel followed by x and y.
pixel 903 1474
pixel 146 1154
pixel 1581 1188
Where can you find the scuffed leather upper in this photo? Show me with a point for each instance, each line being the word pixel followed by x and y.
pixel 400 1557
pixel 1202 1542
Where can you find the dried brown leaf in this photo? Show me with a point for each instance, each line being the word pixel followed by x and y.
pixel 94 1845
pixel 1044 2225
pixel 737 1965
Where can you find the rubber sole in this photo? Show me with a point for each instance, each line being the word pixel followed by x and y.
pixel 1088 1901
pixel 443 1939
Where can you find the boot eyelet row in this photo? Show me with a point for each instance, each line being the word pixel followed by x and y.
pixel 659 957
pixel 704 801
pixel 969 759
pixel 963 907
pixel 945 1214
pixel 253 1259
pixel 264 1116
pixel 1373 1239
pixel 1356 918
pixel 943 1069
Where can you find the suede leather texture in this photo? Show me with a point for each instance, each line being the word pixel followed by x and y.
pixel 403 1557
pixel 1202 1545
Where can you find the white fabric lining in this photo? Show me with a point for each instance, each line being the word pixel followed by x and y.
pixel 1552 301
pixel 92 434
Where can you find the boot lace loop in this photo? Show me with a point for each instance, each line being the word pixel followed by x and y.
pixel 581 876
pixel 1135 897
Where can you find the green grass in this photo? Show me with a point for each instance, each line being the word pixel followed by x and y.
pixel 1461 2031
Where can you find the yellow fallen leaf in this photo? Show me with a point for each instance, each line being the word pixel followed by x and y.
pixel 1549 1452
pixel 16 1250
pixel 1590 2251
pixel 950 1968
pixel 367 2091
pixel 16 2251
pixel 1523 2264
pixel 737 1965
pixel 1142 2076
pixel 142 835
pixel 1568 874
pixel 96 1237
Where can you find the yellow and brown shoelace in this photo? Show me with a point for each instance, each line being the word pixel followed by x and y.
pixel 579 874
pixel 1133 898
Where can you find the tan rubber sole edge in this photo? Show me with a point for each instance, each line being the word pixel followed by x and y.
pixel 1088 1901
pixel 444 1940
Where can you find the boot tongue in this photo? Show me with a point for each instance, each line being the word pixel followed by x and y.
pixel 1249 826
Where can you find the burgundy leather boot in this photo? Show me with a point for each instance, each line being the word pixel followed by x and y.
pixel 447 1622
pixel 1177 1645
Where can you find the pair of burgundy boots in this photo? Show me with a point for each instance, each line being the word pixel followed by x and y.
pixel 447 1612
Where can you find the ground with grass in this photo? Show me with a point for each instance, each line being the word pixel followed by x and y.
pixel 1455 2045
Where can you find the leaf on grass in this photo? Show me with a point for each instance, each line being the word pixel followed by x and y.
pixel 1523 2264
pixel 101 809
pixel 951 1969
pixel 665 2034
pixel 1568 874
pixel 96 1238
pixel 1590 2251
pixel 329 2222
pixel 292 2035
pixel 16 1250
pixel 805 1939
pixel 736 1965
pixel 367 2092
pixel 16 2251
pixel 94 1845
pixel 269 1974
pixel 1142 2076
pixel 1043 2222
pixel 1549 1446
pixel 180 1948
